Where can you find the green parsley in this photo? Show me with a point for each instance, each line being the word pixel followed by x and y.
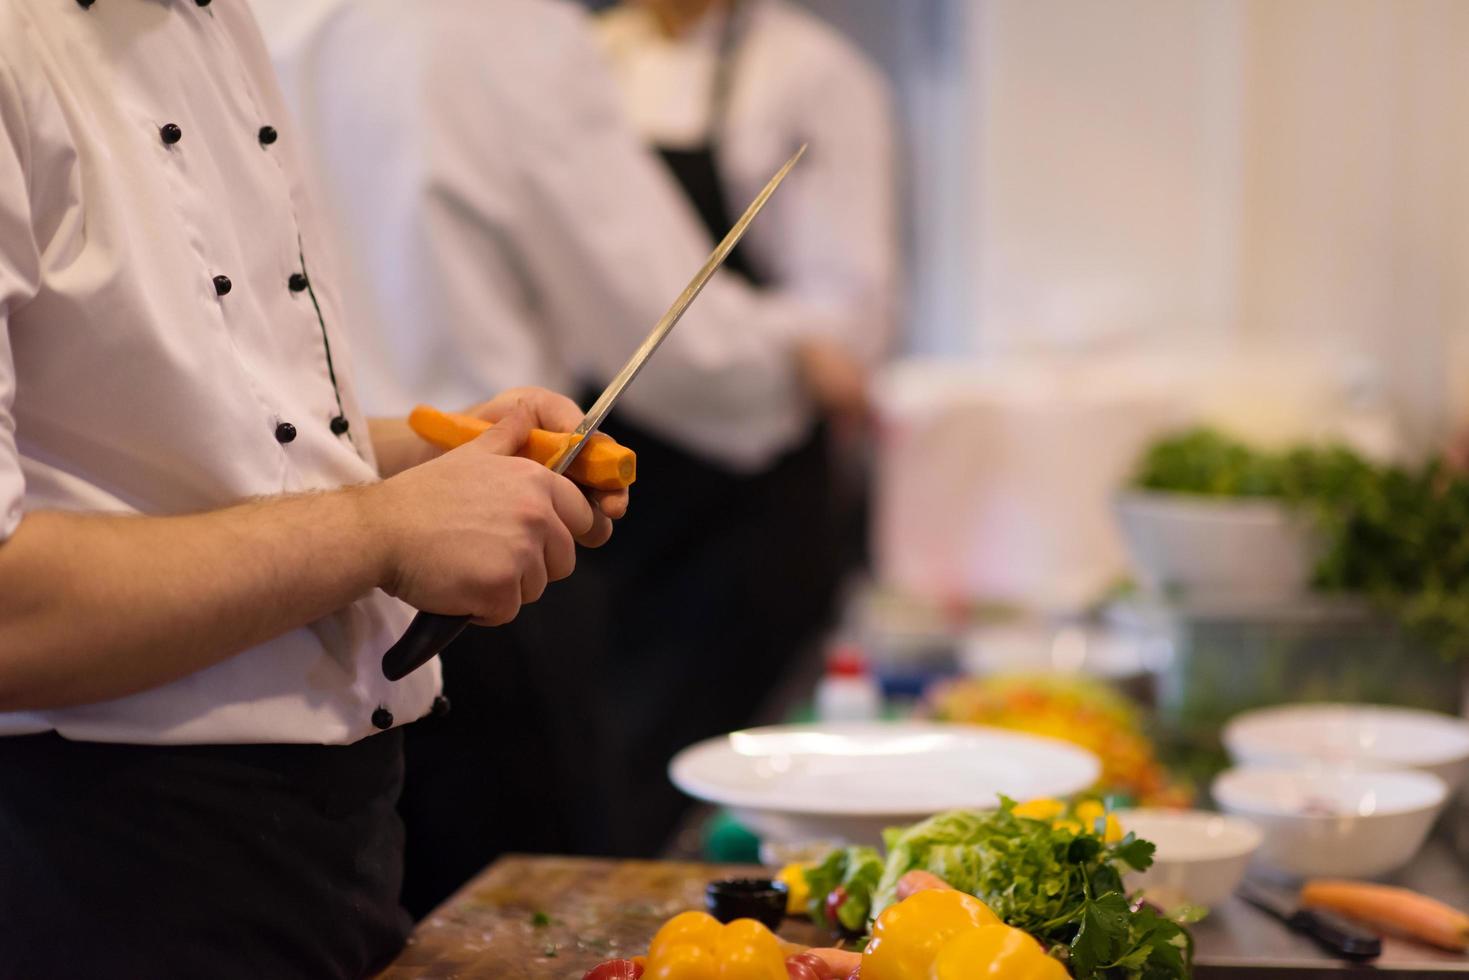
pixel 1393 534
pixel 1063 888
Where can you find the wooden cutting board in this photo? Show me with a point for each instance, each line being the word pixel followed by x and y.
pixel 598 910
pixel 601 909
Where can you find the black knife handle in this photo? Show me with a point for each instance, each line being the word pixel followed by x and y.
pixel 1338 934
pixel 426 638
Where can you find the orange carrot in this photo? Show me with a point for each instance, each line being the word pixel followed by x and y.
pixel 602 465
pixel 1395 910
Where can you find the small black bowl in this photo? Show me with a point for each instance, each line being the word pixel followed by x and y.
pixel 760 899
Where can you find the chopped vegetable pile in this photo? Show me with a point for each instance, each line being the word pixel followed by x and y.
pixel 1079 710
pixel 1059 882
pixel 1394 534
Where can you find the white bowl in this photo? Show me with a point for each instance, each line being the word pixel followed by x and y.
pixel 1361 735
pixel 1340 823
pixel 1237 550
pixel 1201 856
pixel 1049 648
pixel 850 781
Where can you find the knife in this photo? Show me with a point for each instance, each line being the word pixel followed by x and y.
pixel 429 633
pixel 1336 934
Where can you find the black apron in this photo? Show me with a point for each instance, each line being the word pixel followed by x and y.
pixel 219 861
pixel 719 579
pixel 564 720
pixel 523 762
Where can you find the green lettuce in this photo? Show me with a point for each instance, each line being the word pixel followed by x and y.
pixel 1063 888
pixel 854 869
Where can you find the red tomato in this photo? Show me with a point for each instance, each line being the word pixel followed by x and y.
pixel 833 903
pixel 796 970
pixel 614 970
pixel 818 966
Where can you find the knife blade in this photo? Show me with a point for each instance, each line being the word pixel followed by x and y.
pixel 429 633
pixel 1336 934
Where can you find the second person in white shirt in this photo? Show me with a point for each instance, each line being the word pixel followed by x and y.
pixel 506 221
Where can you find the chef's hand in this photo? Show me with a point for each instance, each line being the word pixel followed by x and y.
pixel 480 531
pixel 557 413
pixel 1456 454
pixel 837 382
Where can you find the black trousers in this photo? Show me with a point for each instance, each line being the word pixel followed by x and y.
pixel 523 761
pixel 717 582
pixel 203 861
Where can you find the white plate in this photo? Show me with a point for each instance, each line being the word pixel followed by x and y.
pixel 1352 734
pixel 849 781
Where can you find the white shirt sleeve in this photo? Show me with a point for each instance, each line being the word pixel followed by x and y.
pixel 19 272
pixel 834 241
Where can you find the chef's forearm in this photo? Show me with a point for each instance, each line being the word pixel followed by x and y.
pixel 96 607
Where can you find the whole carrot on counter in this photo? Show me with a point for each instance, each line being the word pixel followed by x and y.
pixel 1396 910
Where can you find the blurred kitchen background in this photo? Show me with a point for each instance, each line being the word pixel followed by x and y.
pixel 1124 221
pixel 1250 212
pixel 1171 428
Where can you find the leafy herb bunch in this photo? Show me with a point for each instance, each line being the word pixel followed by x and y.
pixel 1062 887
pixel 1398 535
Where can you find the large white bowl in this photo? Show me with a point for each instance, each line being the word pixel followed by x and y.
pixel 1362 735
pixel 1201 856
pixel 851 781
pixel 1204 548
pixel 1339 823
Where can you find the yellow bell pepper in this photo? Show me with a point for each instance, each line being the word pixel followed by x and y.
pixel 747 950
pixel 686 929
pixel 908 935
pixel 686 962
pixel 1088 812
pixel 993 951
pixel 1044 809
pixel 695 946
pixel 798 892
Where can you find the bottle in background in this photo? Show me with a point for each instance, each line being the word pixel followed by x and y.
pixel 848 691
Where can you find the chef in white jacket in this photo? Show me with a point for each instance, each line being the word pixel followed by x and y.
pixel 505 220
pixel 723 89
pixel 205 544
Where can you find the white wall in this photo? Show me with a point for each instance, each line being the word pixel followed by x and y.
pixel 1106 170
pixel 1283 178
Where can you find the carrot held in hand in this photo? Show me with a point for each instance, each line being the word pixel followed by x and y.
pixel 1395 910
pixel 602 465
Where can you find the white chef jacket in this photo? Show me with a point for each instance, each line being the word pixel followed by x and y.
pixel 171 337
pixel 830 238
pixel 508 226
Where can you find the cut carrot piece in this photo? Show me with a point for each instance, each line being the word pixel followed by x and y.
pixel 1396 910
pixel 602 465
